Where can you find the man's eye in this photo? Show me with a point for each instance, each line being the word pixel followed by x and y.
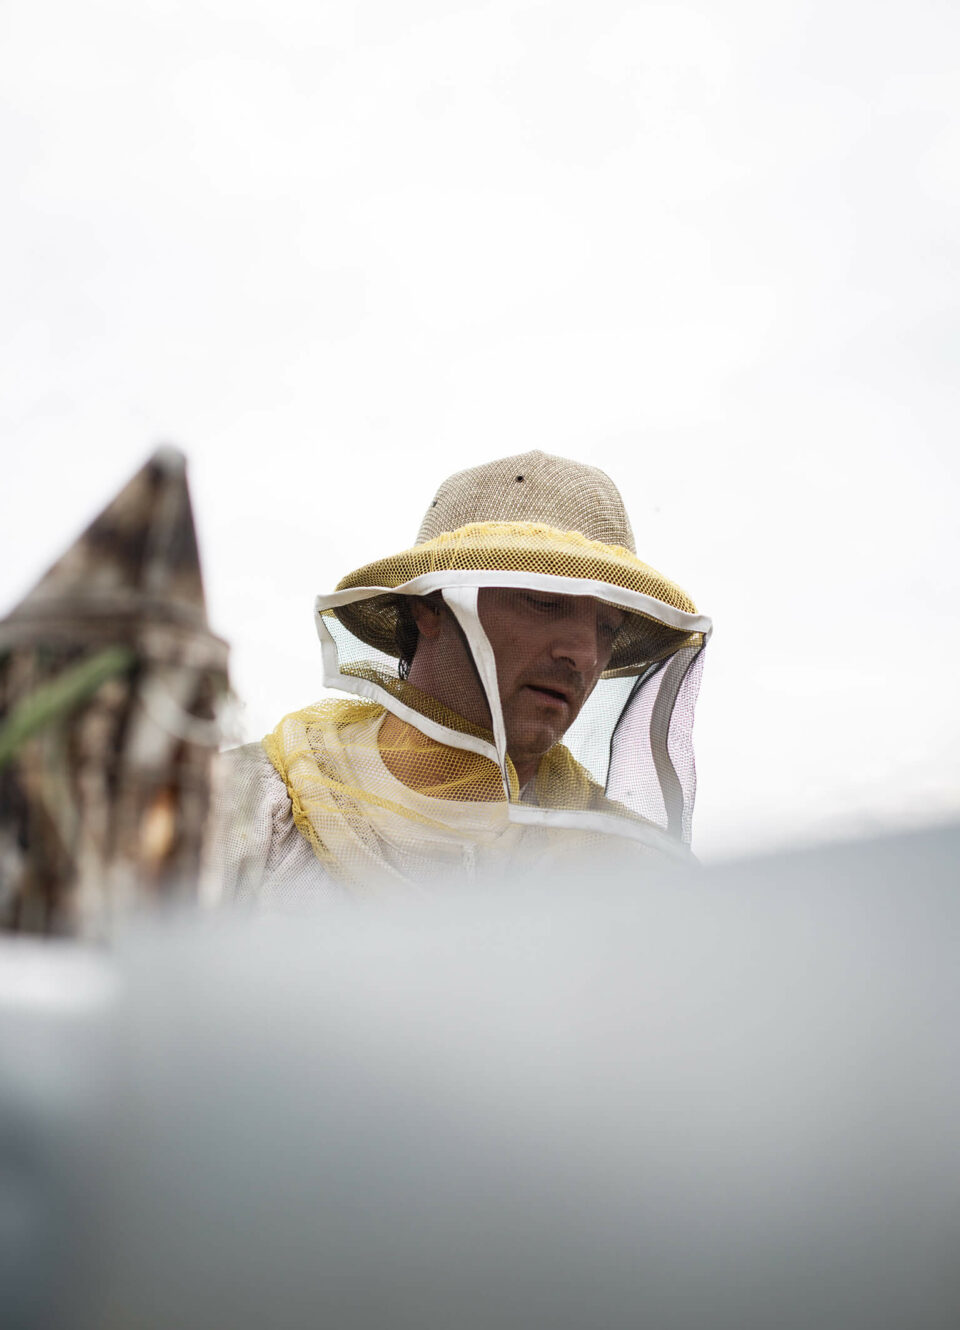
pixel 543 603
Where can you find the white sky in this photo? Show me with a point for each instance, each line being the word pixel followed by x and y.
pixel 337 251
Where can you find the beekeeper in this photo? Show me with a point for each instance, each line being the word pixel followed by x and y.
pixel 520 686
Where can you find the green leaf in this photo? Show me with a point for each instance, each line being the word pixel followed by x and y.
pixel 56 699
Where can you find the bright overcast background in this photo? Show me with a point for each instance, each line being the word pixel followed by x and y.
pixel 335 251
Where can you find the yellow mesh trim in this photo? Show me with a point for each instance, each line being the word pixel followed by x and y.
pixel 522 547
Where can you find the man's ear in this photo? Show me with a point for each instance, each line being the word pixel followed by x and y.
pixel 427 614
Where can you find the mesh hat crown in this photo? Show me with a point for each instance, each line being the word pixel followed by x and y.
pixel 532 487
pixel 531 513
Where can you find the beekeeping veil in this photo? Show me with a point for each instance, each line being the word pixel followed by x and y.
pixel 402 780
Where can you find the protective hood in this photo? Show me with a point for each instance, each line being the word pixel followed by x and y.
pixel 557 710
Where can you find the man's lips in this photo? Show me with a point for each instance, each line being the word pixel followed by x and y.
pixel 551 693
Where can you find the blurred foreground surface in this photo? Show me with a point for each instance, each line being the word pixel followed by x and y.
pixel 729 1099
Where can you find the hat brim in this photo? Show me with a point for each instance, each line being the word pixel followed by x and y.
pixel 542 552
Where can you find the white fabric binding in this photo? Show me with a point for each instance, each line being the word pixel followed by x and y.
pixel 609 823
pixel 565 586
pixel 463 602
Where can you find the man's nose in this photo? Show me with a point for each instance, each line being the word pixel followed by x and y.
pixel 578 641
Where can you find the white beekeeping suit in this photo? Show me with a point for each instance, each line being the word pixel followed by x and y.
pixel 542 703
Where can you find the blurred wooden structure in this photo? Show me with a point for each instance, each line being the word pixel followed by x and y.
pixel 110 685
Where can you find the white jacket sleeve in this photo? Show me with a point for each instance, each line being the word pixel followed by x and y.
pixel 258 854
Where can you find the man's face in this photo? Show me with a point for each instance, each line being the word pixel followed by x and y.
pixel 550 651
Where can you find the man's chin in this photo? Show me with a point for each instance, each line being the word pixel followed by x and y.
pixel 532 747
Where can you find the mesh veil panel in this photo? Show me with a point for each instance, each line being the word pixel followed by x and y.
pixel 651 769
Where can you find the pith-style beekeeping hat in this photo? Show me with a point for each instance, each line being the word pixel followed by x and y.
pixel 531 516
pixel 533 523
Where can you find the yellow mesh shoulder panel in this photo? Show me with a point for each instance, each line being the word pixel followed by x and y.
pixel 561 782
pixel 333 801
pixel 331 777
